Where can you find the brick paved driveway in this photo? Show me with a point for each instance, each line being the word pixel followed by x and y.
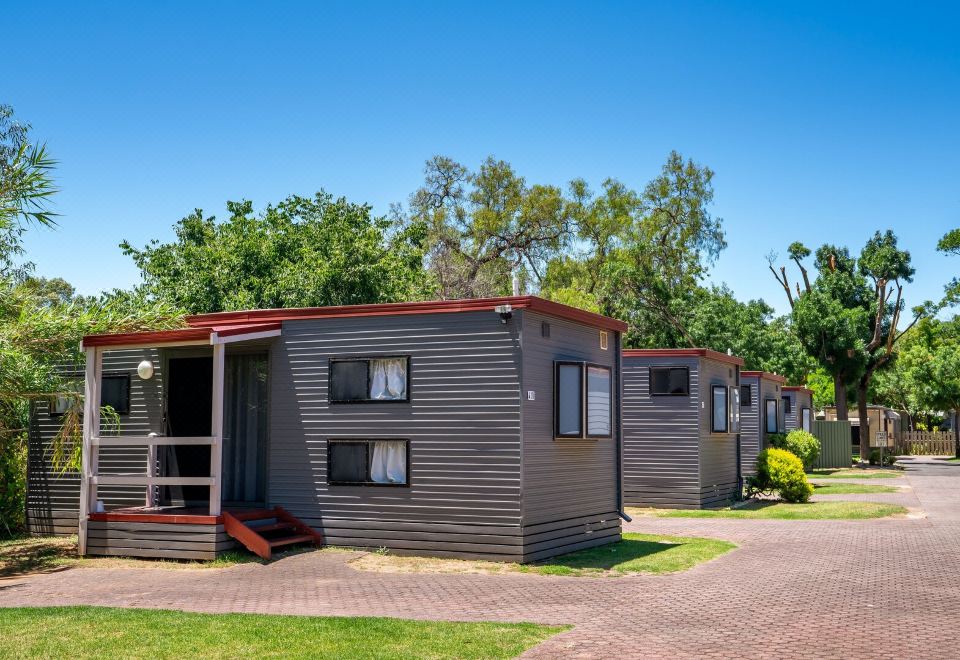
pixel 832 589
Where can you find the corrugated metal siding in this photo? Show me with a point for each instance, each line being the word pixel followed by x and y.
pixel 750 427
pixel 798 400
pixel 463 424
pixel 718 451
pixel 160 540
pixel 569 479
pixel 753 435
pixel 661 437
pixel 53 498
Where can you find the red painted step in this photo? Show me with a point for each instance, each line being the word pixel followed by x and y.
pixel 251 536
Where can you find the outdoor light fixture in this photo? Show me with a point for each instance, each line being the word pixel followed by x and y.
pixel 505 312
pixel 145 370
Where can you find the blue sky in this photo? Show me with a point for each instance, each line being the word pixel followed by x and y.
pixel 822 121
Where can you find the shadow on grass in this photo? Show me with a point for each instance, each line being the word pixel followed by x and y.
pixel 26 555
pixel 608 557
pixel 635 553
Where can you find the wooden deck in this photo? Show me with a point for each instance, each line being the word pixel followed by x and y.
pixel 191 533
pixel 167 515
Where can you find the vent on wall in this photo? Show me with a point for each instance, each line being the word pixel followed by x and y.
pixel 603 340
pixel 545 329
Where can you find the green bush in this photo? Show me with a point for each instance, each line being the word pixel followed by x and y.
pixel 13 483
pixel 780 471
pixel 802 444
pixel 889 458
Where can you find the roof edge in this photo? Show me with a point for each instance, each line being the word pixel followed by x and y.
pixel 534 303
pixel 797 388
pixel 684 352
pixel 765 375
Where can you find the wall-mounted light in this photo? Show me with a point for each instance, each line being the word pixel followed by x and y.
pixel 505 312
pixel 145 370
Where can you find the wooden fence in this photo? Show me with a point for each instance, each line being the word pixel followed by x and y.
pixel 835 444
pixel 926 443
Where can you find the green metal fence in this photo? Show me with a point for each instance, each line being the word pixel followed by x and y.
pixel 835 443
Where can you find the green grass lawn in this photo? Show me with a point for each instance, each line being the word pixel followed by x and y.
pixel 784 511
pixel 847 488
pixel 97 632
pixel 636 553
pixel 855 473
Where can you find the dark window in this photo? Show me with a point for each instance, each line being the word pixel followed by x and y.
pixel 369 379
pixel 598 402
pixel 545 329
pixel 746 398
pixel 115 392
pixel 787 408
pixel 568 400
pixel 368 462
pixel 720 416
pixel 669 381
pixel 772 418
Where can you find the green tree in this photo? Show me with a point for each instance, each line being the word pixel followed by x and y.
pixel 950 244
pixel 486 227
pixel 641 257
pixel 665 254
pixel 717 320
pixel 301 252
pixel 848 318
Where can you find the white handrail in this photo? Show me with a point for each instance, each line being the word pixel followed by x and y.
pixel 145 480
pixel 150 440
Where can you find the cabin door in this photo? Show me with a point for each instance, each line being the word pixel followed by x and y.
pixel 188 413
pixel 189 390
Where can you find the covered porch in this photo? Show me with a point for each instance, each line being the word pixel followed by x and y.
pixel 205 456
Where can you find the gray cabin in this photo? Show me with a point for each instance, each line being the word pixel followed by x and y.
pixel 481 428
pixel 797 402
pixel 761 413
pixel 681 419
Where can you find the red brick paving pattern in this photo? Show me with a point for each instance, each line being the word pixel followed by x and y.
pixel 817 589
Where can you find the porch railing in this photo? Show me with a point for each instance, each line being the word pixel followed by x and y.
pixel 150 479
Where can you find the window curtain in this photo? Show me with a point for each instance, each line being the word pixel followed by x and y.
pixel 244 428
pixel 598 401
pixel 388 379
pixel 388 463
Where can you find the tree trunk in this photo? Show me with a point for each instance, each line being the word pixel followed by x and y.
pixel 840 396
pixel 864 415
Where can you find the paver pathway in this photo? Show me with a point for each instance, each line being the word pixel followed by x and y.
pixel 830 589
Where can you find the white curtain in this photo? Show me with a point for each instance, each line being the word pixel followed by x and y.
pixel 388 464
pixel 388 379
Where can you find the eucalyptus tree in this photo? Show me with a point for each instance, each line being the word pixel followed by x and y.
pixel 485 227
pixel 849 317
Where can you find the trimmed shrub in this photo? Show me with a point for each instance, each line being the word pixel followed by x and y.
pixel 802 444
pixel 889 458
pixel 780 471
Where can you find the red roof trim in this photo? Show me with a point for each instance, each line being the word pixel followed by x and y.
pixel 392 309
pixel 764 374
pixel 159 337
pixel 245 329
pixel 683 352
pixel 797 388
